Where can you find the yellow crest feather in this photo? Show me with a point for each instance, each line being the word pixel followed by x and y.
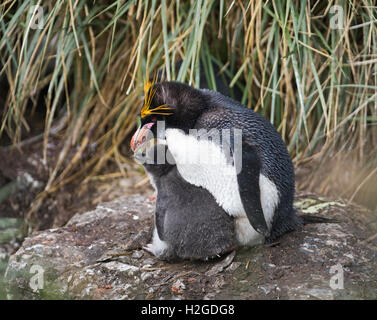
pixel 149 93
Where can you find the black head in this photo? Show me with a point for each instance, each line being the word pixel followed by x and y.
pixel 178 104
pixel 174 104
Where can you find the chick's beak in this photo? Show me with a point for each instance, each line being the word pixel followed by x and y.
pixel 140 136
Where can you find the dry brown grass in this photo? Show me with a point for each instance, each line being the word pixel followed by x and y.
pixel 87 66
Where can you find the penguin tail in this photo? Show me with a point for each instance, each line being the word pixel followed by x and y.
pixel 309 219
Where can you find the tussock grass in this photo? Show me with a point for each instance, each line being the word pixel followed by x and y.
pixel 86 67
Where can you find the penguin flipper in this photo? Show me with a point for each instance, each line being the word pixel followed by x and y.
pixel 248 185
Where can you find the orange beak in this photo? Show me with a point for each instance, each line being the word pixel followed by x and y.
pixel 140 136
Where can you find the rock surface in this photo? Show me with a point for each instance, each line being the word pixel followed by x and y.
pixel 98 255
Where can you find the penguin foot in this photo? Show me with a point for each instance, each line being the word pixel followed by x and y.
pixel 165 254
pixel 149 248
pixel 157 247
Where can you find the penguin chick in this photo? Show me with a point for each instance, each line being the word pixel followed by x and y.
pixel 189 224
pixel 258 193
